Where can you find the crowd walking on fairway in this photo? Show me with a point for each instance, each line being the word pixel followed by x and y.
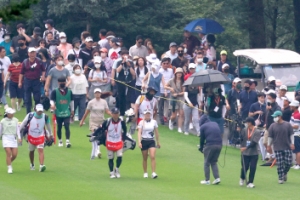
pixel 130 92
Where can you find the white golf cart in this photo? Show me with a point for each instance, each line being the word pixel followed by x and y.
pixel 283 64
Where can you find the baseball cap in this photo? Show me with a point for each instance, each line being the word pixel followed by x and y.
pixel 294 103
pixel 115 110
pixel 192 66
pixel 97 90
pixel 39 107
pixel 89 39
pixel 31 49
pixel 61 79
pixel 116 40
pixel 62 34
pixel 286 98
pixel 172 44
pixel 20 26
pixel 152 58
pixel 236 80
pixel 49 21
pixel 147 111
pixel 151 88
pixel 223 52
pixel 283 87
pixel 278 113
pixel 225 65
pixel 110 37
pixel 37 30
pixel 104 50
pixel 10 111
pixel 97 59
pixel 271 78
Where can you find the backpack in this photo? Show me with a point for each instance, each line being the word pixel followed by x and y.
pixel 30 116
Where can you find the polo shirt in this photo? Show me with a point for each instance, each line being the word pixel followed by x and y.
pixel 256 107
pixel 141 51
pixel 171 56
pixel 85 55
pixel 34 42
pixel 34 73
pixel 215 107
pixel 295 120
pixel 287 114
pixel 6 46
pixel 177 62
pixel 14 72
pixel 168 75
pixel 200 67
pixel 247 99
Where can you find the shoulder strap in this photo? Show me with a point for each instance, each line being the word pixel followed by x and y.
pixel 142 99
pixel 30 116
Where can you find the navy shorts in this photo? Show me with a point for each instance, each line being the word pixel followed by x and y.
pixel 15 91
pixel 147 144
pixel 297 144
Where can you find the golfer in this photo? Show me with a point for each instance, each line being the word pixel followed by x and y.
pixel 147 134
pixel 295 122
pixel 9 131
pixel 250 137
pixel 281 136
pixel 116 132
pixel 212 136
pixel 36 123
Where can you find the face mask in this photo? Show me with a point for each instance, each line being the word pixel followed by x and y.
pixel 72 63
pixel 149 96
pixel 103 55
pixel 185 50
pixel 63 40
pixel 180 54
pixel 21 44
pixel 226 70
pixel 60 63
pixel 62 85
pixel 239 86
pixel 97 66
pixel 276 119
pixel 269 101
pixel 7 38
pixel 77 71
pixel 247 88
pixel 200 60
pixel 46 25
pixel 216 91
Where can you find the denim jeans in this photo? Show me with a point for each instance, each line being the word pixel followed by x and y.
pixel 79 101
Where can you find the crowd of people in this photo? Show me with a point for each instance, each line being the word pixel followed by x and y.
pixel 90 78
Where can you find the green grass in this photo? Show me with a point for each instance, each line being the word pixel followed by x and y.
pixel 72 175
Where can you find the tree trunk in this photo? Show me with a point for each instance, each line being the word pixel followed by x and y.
pixel 297 24
pixel 256 24
pixel 274 25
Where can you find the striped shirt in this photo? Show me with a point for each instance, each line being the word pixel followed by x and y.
pixel 14 72
pixel 295 120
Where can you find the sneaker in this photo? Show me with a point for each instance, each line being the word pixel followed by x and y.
pixel 9 169
pixel 76 118
pixel 171 127
pixel 154 175
pixel 112 175
pixel 32 167
pixel 145 175
pixel 179 130
pixel 217 181
pixel 280 181
pixel 242 181
pixel 165 119
pixel 297 167
pixel 204 182
pixel 5 107
pixel 60 144
pixel 99 155
pixel 191 126
pixel 285 178
pixel 293 167
pixel 18 106
pixel 68 144
pixel 42 168
pixel 250 185
pixel 117 173
pixel 186 133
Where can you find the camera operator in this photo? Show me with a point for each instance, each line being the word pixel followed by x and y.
pixel 126 74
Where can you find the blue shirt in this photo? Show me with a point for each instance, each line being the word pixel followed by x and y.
pixel 228 85
pixel 200 67
pixel 6 46
pixel 259 107
pixel 247 99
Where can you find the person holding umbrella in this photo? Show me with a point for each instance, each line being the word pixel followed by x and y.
pixel 250 137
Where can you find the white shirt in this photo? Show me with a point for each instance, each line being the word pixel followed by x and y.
pixel 95 74
pixel 141 51
pixel 140 77
pixel 172 56
pixel 146 104
pixel 78 84
pixel 5 64
pixel 148 128
pixel 71 51
pixel 114 53
pixel 279 101
pixel 168 75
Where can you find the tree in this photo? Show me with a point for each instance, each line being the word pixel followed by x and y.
pixel 297 24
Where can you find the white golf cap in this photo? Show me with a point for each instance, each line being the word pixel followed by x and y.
pixel 294 103
pixel 39 107
pixel 271 78
pixel 110 37
pixel 97 90
pixel 31 49
pixel 152 58
pixel 147 111
pixel 89 39
pixel 192 66
pixel 10 111
pixel 97 59
pixel 271 91
pixel 286 98
pixel 225 65
pixel 236 80
pixel 62 34
pixel 283 87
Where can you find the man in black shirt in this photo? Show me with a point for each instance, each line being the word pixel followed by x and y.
pixel 85 54
pixel 35 38
pixel 286 110
pixel 180 61
pixel 22 50
pixel 15 39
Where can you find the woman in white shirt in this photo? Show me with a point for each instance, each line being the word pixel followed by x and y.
pixel 141 70
pixel 147 134
pixel 10 134
pixel 79 87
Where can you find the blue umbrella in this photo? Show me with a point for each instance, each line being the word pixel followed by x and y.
pixel 203 25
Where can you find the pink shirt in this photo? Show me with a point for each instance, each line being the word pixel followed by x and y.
pixel 64 49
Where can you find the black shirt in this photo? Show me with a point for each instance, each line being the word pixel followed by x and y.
pixel 124 74
pixel 86 55
pixel 193 92
pixel 23 53
pixel 34 42
pixel 269 118
pixel 287 114
pixel 232 97
pixel 216 106
pixel 259 107
pixel 177 62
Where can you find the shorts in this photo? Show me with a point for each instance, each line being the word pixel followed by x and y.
pixel 266 135
pixel 32 147
pixel 147 144
pixel 15 91
pixel 297 144
pixel 176 104
pixel 111 154
pixel 9 141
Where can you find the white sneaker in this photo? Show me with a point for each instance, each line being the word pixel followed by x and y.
pixel 60 144
pixel 68 144
pixel 250 185
pixel 217 181
pixel 242 181
pixel 204 182
pixel 76 118
pixel 280 181
pixel 186 133
pixel 179 130
pixel 293 167
pixel 154 175
pixel 112 175
pixel 32 167
pixel 297 167
pixel 9 169
pixel 191 126
pixel 171 127
pixel 6 106
pixel 42 168
pixel 18 106
pixel 117 173
pixel 145 175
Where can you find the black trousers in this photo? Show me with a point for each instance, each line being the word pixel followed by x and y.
pixel 60 121
pixel 249 162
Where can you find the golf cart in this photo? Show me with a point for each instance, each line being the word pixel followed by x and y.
pixel 282 64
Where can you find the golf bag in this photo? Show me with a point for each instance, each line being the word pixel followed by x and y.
pixel 235 128
pixel 129 116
